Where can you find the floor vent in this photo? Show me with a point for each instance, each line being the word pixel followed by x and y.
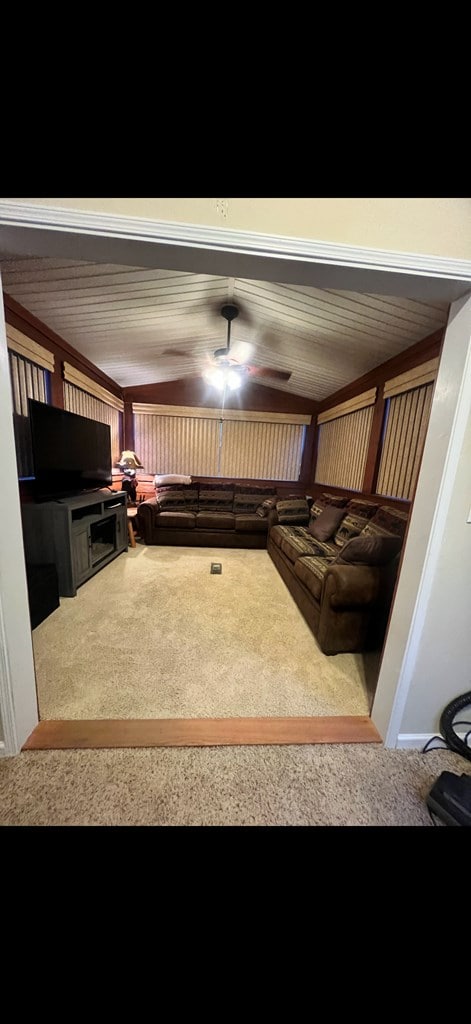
pixel 216 567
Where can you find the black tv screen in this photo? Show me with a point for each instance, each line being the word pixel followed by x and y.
pixel 70 453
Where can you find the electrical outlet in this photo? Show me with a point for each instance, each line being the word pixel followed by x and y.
pixel 216 567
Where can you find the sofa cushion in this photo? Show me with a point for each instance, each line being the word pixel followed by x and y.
pixel 247 502
pixel 388 520
pixel 276 534
pixel 175 520
pixel 324 500
pixel 293 510
pixel 296 541
pixel 216 496
pixel 311 571
pixel 177 496
pixel 361 507
pixel 216 520
pixel 370 549
pixel 250 523
pixel 324 526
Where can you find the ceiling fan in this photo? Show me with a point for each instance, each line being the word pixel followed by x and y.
pixel 226 371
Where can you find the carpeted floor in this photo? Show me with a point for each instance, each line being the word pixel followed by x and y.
pixel 292 785
pixel 155 635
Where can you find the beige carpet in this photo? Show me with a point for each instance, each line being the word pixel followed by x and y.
pixel 155 635
pixel 293 785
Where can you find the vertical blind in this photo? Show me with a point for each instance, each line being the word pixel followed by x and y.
pixel 200 442
pixel 177 444
pixel 78 401
pixel 343 449
pixel 261 451
pixel 404 437
pixel 27 381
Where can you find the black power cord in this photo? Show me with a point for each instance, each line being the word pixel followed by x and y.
pixel 449 738
pixel 444 743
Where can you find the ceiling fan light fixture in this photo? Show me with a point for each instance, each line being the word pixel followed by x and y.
pixel 221 377
pixel 215 377
pixel 233 378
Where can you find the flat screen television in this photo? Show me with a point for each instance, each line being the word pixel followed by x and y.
pixel 71 453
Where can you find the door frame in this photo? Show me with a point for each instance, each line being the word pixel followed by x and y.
pixel 49 231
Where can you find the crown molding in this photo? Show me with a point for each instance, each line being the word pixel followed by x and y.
pixel 51 218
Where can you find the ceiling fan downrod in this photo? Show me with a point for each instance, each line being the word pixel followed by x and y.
pixel 229 312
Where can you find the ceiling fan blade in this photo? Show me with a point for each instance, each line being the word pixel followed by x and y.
pixel 265 371
pixel 242 351
pixel 178 352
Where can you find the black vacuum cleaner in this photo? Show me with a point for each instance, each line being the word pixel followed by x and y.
pixel 450 796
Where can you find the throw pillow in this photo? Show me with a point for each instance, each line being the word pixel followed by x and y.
pixel 161 480
pixel 370 550
pixel 324 527
pixel 294 510
pixel 265 507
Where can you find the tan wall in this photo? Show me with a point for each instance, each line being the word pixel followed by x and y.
pixel 440 227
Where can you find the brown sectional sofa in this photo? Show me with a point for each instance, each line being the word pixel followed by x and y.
pixel 206 515
pixel 345 603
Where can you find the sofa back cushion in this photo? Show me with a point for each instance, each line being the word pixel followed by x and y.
pixel 324 526
pixel 248 497
pixel 362 507
pixel 388 520
pixel 324 500
pixel 173 497
pixel 217 497
pixel 293 510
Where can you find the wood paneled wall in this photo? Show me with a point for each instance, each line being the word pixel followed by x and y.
pixel 421 352
pixel 196 393
pixel 19 317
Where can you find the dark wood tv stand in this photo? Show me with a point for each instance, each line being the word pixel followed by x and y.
pixel 80 534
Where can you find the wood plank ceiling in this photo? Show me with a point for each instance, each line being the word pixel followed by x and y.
pixel 148 326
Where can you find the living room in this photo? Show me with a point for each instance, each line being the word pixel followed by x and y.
pixel 187 395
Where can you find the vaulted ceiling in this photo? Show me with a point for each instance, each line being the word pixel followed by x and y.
pixel 148 326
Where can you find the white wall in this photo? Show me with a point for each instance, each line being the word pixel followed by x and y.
pixel 443 661
pixel 439 227
pixel 19 712
pixel 428 649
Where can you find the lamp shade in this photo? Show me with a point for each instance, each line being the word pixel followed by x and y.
pixel 129 460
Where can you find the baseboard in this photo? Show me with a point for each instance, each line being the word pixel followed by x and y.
pixel 417 740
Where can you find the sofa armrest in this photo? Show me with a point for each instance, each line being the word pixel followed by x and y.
pixel 352 586
pixel 272 518
pixel 146 513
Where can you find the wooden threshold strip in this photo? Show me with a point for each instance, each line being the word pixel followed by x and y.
pixel 199 732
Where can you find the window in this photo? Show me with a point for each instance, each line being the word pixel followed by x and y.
pixel 344 434
pixel 407 417
pixel 202 442
pixel 408 403
pixel 30 368
pixel 27 381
